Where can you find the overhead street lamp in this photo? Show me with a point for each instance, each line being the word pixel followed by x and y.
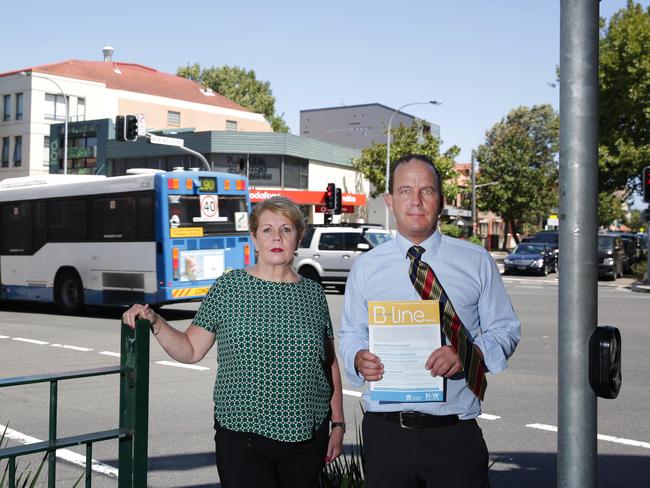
pixel 390 124
pixel 29 74
pixel 474 188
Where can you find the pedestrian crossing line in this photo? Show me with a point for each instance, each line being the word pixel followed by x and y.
pixel 4 337
pixel 352 393
pixel 73 348
pixel 110 353
pixel 489 416
pixel 182 365
pixel 65 454
pixel 30 341
pixel 600 437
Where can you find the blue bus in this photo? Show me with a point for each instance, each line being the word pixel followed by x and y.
pixel 148 237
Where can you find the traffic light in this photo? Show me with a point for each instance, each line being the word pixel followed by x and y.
pixel 131 128
pixel 338 207
pixel 646 184
pixel 119 128
pixel 330 196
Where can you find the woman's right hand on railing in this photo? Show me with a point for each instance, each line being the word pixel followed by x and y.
pixel 143 312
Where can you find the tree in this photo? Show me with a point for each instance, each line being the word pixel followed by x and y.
pixel 520 154
pixel 241 86
pixel 624 77
pixel 408 140
pixel 610 209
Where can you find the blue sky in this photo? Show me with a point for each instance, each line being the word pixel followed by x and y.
pixel 482 58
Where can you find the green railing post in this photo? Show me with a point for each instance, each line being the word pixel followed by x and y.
pixel 134 404
pixel 51 457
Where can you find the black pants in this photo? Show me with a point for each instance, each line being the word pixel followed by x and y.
pixel 246 460
pixel 453 456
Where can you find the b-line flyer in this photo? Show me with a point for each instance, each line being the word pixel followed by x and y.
pixel 403 334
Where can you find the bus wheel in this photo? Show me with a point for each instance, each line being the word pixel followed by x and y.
pixel 68 292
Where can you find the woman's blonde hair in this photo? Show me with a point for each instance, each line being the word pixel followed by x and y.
pixel 282 206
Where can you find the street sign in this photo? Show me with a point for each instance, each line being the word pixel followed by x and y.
pixel 166 141
pixel 142 129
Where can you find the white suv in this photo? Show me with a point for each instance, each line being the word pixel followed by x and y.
pixel 326 252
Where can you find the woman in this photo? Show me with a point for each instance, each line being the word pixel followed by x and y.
pixel 278 384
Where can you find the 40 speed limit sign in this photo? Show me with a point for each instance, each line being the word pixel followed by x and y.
pixel 209 208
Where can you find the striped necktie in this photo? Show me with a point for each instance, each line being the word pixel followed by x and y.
pixel 429 288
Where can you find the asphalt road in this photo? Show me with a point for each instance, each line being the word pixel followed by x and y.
pixel 520 410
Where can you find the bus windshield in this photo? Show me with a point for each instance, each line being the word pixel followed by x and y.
pixel 185 211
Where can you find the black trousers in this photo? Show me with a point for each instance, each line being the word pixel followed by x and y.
pixel 247 460
pixel 453 456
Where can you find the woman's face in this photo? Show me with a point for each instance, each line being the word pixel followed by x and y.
pixel 276 239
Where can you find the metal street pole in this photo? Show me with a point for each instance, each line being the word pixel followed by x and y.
pixel 473 180
pixel 390 123
pixel 578 288
pixel 65 123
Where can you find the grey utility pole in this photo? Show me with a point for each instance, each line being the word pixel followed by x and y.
pixel 578 292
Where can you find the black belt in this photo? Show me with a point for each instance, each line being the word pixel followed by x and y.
pixel 417 420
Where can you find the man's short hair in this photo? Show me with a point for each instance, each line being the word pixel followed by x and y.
pixel 416 157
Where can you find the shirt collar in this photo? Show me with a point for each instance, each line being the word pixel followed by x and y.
pixel 431 244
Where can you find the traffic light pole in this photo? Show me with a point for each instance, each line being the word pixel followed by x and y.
pixel 179 143
pixel 578 286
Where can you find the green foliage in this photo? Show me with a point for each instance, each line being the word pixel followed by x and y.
pixel 474 240
pixel 407 140
pixel 239 85
pixel 450 230
pixel 624 99
pixel 520 153
pixel 610 208
pixel 346 471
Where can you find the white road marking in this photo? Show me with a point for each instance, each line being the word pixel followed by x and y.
pixel 110 353
pixel 64 454
pixel 73 348
pixel 31 341
pixel 600 437
pixel 182 365
pixel 352 393
pixel 489 416
pixel 4 337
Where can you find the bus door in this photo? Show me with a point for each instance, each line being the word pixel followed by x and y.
pixel 204 231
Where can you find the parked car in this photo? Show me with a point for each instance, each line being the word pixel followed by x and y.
pixel 531 257
pixel 551 237
pixel 630 246
pixel 326 252
pixel 611 256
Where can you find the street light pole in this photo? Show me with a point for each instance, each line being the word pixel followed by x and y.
pixel 65 124
pixel 390 123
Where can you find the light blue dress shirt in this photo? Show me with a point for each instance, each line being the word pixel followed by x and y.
pixel 473 284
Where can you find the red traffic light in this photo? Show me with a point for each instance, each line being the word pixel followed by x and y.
pixel 646 184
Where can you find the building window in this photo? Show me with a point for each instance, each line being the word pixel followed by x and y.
pixel 46 151
pixel 173 118
pixel 18 151
pixel 5 152
pixel 19 106
pixel 54 107
pixel 7 107
pixel 231 125
pixel 81 109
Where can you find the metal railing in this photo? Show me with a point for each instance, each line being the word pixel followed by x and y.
pixel 132 433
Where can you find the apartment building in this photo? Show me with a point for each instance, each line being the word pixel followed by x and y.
pixel 34 98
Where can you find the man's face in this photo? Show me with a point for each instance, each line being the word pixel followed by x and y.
pixel 415 201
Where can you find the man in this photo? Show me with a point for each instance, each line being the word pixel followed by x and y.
pixel 428 443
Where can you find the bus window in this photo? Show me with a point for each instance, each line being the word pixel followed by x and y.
pixel 146 218
pixel 184 211
pixel 17 217
pixel 67 220
pixel 113 218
